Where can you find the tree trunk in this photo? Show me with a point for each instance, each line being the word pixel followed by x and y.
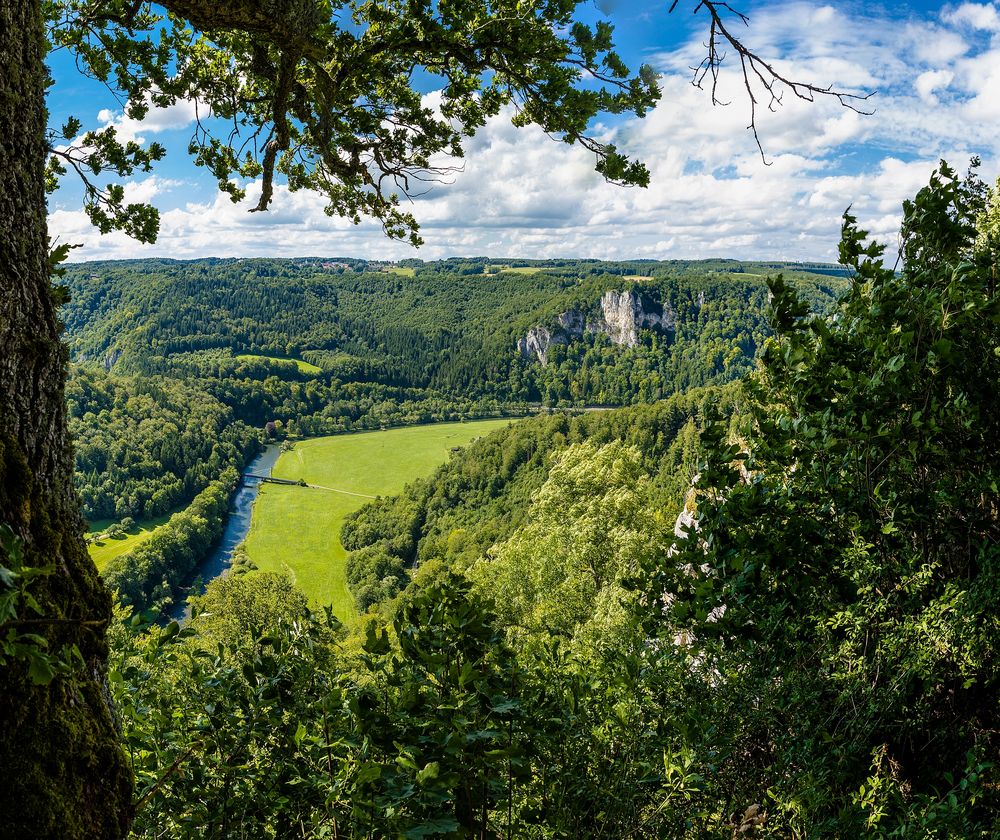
pixel 63 770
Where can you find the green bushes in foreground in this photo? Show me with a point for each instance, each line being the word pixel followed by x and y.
pixel 266 726
pixel 147 576
pixel 812 656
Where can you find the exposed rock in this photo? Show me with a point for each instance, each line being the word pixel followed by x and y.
pixel 111 358
pixel 622 316
pixel 625 313
pixel 537 342
pixel 573 322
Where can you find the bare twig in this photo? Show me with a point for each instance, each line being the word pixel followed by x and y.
pixel 754 68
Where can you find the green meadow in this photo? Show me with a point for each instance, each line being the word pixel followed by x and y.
pixel 519 269
pixel 303 366
pixel 109 548
pixel 297 529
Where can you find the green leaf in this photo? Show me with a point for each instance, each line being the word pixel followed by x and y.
pixel 429 773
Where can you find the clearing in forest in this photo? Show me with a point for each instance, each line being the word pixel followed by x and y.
pixel 102 551
pixel 301 364
pixel 297 529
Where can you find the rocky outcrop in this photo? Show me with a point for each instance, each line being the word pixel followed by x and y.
pixel 111 359
pixel 622 315
pixel 537 342
pixel 625 313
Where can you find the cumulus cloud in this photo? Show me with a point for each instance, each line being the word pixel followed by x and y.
pixel 179 115
pixel 974 15
pixel 520 194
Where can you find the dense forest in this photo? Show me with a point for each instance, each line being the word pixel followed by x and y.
pixel 147 445
pixel 760 610
pixel 434 327
pixel 483 494
pixel 183 368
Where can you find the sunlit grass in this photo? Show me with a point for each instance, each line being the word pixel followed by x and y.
pixel 296 530
pixel 109 548
pixel 303 366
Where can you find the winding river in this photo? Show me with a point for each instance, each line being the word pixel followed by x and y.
pixel 217 561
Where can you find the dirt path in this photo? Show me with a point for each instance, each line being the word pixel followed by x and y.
pixel 345 492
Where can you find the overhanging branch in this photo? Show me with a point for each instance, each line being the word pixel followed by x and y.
pixel 754 68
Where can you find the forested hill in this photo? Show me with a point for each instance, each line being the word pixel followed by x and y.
pixel 482 496
pixel 453 325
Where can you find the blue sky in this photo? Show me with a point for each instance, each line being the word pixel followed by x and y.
pixel 936 70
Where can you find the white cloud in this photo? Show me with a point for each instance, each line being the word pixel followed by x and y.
pixel 179 115
pixel 520 194
pixel 930 81
pixel 144 191
pixel 974 15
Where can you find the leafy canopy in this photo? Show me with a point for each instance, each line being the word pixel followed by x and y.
pixel 324 93
pixel 838 593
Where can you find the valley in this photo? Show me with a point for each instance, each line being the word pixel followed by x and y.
pixel 483 472
pixel 296 530
pixel 566 540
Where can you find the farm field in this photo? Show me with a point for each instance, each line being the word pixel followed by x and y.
pixel 108 549
pixel 520 269
pixel 297 529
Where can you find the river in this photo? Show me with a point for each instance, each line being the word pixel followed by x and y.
pixel 217 561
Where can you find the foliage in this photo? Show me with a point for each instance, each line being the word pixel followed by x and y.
pixel 147 576
pixel 20 612
pixel 590 526
pixel 322 93
pixel 145 446
pixel 836 596
pixel 483 495
pixel 432 729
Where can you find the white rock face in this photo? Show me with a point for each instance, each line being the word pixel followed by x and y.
pixel 623 314
pixel 572 322
pixel 536 343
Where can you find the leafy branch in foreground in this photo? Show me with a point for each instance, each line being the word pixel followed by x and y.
pixel 322 93
pixel 21 615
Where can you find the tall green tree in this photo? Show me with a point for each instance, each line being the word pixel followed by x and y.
pixel 837 598
pixel 328 104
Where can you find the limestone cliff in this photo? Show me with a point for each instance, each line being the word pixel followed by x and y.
pixel 620 316
pixel 623 314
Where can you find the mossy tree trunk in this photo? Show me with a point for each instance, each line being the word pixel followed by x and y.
pixel 62 768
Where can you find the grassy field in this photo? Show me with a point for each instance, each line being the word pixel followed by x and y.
pixel 304 367
pixel 108 549
pixel 520 269
pixel 402 270
pixel 297 529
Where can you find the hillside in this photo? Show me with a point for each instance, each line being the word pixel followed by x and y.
pixel 482 495
pixel 451 327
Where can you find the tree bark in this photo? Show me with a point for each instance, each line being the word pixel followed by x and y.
pixel 64 773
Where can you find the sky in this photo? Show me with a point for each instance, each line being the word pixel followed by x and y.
pixel 934 68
